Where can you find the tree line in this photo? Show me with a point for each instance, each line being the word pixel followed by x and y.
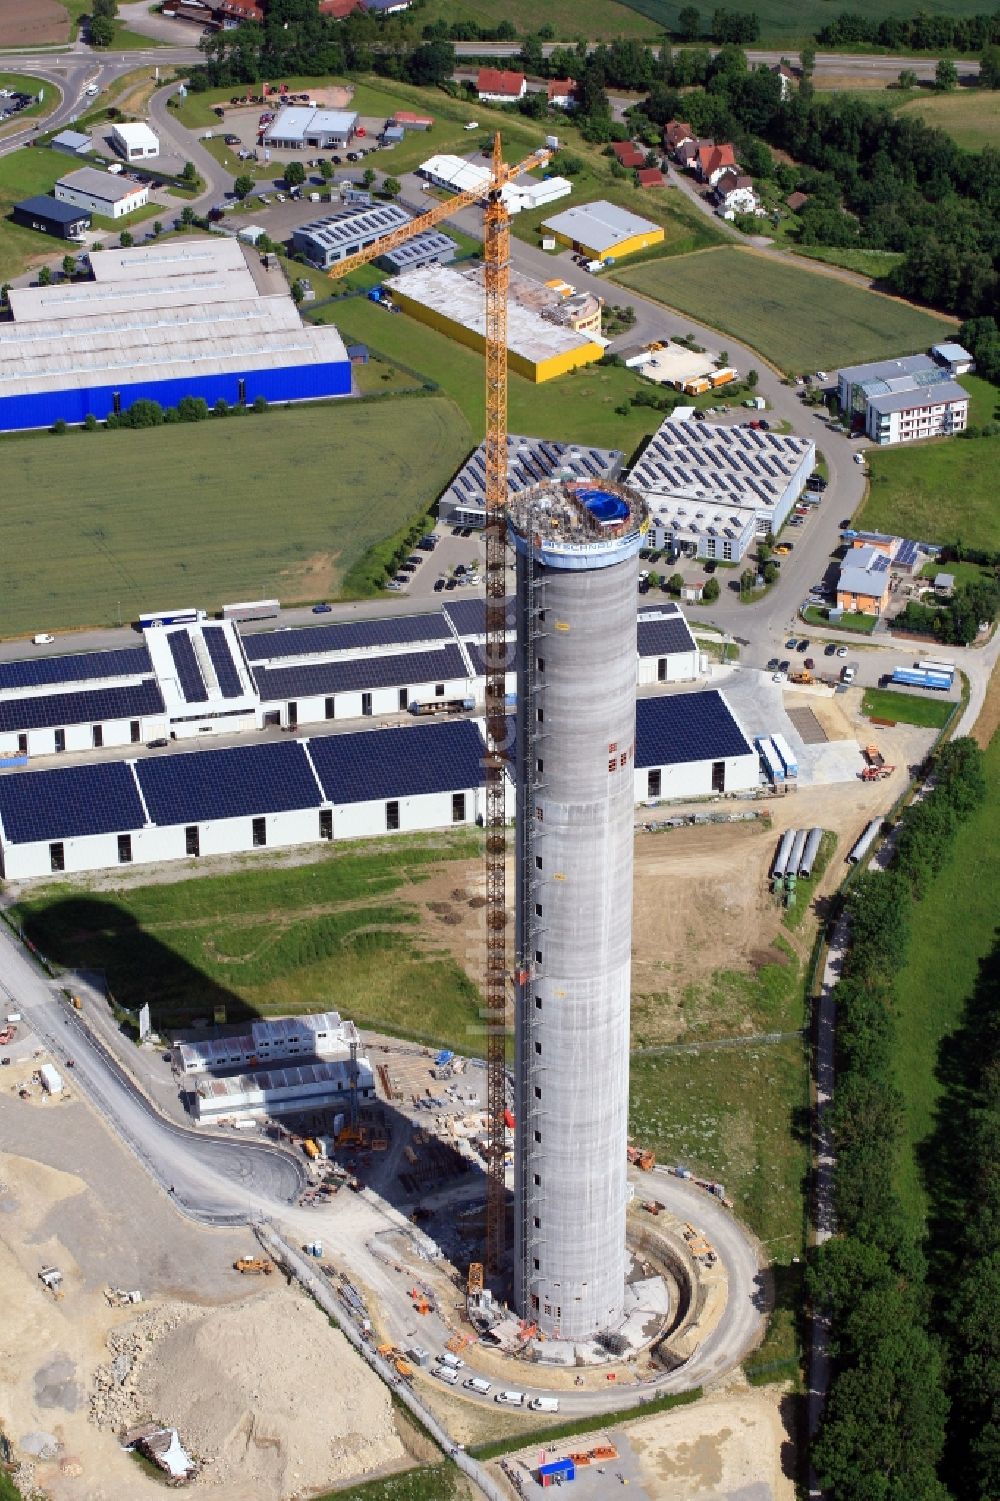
pixel 887 1420
pixel 919 33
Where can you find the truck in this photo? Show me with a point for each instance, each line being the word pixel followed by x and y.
pixel 723 377
pixel 441 706
pixel 51 1079
pixel 697 387
pixel 873 756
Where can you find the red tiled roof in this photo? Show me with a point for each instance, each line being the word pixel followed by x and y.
pixel 407 116
pixel 649 177
pixel 242 10
pixel 497 81
pixel 796 200
pixel 559 88
pixel 711 158
pixel 339 9
pixel 627 154
pixel 676 131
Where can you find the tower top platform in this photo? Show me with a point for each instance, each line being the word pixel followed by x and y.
pixel 576 525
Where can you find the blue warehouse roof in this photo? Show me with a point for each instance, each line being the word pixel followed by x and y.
pixel 96 706
pixel 684 727
pixel 360 674
pixel 69 801
pixel 36 672
pixel 237 783
pixel 376 764
pixel 389 630
pixel 658 638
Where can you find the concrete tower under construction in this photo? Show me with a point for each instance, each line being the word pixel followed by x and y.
pixel 576 687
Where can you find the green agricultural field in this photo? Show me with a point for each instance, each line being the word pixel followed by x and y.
pixel 22 175
pixel 930 995
pixel 970 116
pixel 906 708
pixel 340 932
pixel 942 491
pixel 874 263
pixel 283 504
pixel 797 319
pixel 783 21
pixel 984 405
pixel 594 20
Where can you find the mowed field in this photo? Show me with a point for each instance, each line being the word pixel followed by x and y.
pixel 22 175
pixel 940 491
pixel 970 116
pixel 786 20
pixel 799 320
pixel 569 19
pixel 97 525
pixel 30 23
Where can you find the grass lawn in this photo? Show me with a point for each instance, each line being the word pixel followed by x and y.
pixel 930 994
pixel 873 263
pixel 962 573
pixel 798 319
pixel 970 116
pixel 940 491
pixel 686 229
pixel 984 402
pixel 578 408
pixel 23 174
pixel 23 83
pixel 440 1482
pixel 283 504
pixel 336 933
pixel 849 621
pixel 906 708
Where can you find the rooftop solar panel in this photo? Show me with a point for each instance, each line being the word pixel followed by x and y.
pixel 390 630
pixel 687 727
pixel 222 660
pixel 658 638
pixel 69 802
pixel 240 782
pixel 360 674
pixel 188 672
pixel 469 615
pixel 380 764
pixel 96 706
pixel 131 661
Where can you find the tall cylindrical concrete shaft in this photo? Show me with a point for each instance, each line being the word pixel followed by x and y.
pixel 576 683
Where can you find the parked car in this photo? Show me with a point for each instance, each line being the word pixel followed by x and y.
pixel 772 666
pixel 841 651
pixel 160 744
pixel 231 140
pixel 42 639
pixel 438 585
pixel 830 651
pixel 803 645
pixel 809 664
pixel 784 666
pixel 791 643
pixel 322 609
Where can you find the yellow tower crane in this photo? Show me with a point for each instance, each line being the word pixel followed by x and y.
pixel 496 260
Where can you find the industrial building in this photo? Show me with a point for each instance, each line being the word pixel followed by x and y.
pixel 603 231
pixel 50 217
pixel 577 550
pixel 454 303
pixel 457 175
pixel 712 489
pixel 71 143
pixel 135 142
pixel 281 1091
pixel 431 248
pixel 106 193
pixel 336 236
pixel 161 321
pixel 317 1035
pixel 668 653
pixel 900 401
pixel 296 127
pixel 528 461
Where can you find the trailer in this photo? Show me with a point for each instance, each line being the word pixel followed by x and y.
pixel 808 858
pixel 442 706
pixel 772 763
pixel 252 609
pixel 910 677
pixel 864 844
pixel 935 665
pixel 785 755
pixel 798 848
pixel 784 850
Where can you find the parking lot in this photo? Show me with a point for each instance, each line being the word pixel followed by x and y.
pixel 12 102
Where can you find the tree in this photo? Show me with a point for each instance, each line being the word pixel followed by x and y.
pixel 807 61
pixel 3 293
pixel 689 23
pixel 907 79
pixel 90 423
pixel 747 580
pixel 192 409
pixel 157 228
pixel 368 177
pixel 189 172
pixel 770 573
pixel 108 8
pixel 126 239
pixel 221 408
pixel 44 277
pixel 945 76
pixel 752 379
pixel 326 170
pixel 392 187
pixel 675 583
pixel 711 591
pixel 58 427
pixel 101 31
pixel 989 68
pixel 187 214
pixel 69 266
pixel 298 295
pixel 294 174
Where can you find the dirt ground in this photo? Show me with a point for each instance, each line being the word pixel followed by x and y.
pixel 29 23
pixel 988 722
pixel 715 1448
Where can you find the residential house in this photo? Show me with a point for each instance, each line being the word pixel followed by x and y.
pixel 675 134
pixel 628 154
pixel 339 10
pixel 788 77
pixel 735 194
pixel 686 154
pixel 386 7
pixel 795 201
pixel 649 177
pixel 864 581
pixel 561 93
pixel 233 13
pixel 713 160
pixel 496 85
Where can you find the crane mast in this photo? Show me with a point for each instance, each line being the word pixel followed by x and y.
pixel 496 261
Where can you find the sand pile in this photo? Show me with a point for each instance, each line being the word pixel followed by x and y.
pixel 264 1391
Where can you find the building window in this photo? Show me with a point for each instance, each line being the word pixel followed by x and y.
pixel 259 832
pixel 57 856
pixel 539 766
pixel 538 1137
pixel 392 816
pixel 538 1003
pixel 540 815
pixel 326 823
pixel 538 858
pixel 135 732
pixel 439 690
pixel 537 1223
pixel 540 663
pixel 661 670
pixel 536 1263
pixel 538 909
pixel 718 776
pixel 192 840
pixel 534 1301
pixel 329 708
pixel 366 703
pixel 403 700
pixel 538 1092
pixel 293 715
pixel 60 740
pixel 538 1049
pixel 97 736
pixel 124 849
pixel 654 779
pixel 537 1176
pixel 22 745
pixel 540 715
pixel 538 956
pixel 458 807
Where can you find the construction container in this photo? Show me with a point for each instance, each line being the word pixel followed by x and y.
pixel 722 378
pixel 51 1079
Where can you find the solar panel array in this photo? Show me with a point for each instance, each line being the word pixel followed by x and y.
pixel 241 782
pixel 658 638
pixel 132 661
pixel 907 554
pixel 69 802
pixel 391 630
pixel 687 727
pixel 468 616
pixel 529 460
pixel 378 764
pixel 360 674
pixel 477 656
pixel 713 465
pixel 188 672
pixel 95 706
pixel 222 660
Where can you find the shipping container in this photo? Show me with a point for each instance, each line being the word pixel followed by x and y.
pixel 786 755
pixel 771 760
pixel 254 609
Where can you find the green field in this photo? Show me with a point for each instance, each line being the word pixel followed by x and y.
pixel 685 228
pixel 940 491
pixel 906 708
pixel 784 22
pixel 874 263
pixel 22 175
pixel 569 19
pixel 797 319
pixel 24 83
pixel 970 116
pixel 437 1482
pixel 984 404
pixel 340 932
pixel 282 504
pixel 930 995
pixel 850 621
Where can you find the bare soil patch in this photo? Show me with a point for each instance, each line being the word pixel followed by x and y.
pixel 24 24
pixel 988 722
pixel 716 1447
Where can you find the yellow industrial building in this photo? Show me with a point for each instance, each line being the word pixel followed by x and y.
pixel 540 344
pixel 603 231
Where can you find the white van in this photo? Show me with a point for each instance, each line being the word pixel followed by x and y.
pixel 443 1373
pixel 544 1404
pixel 451 1361
pixel 510 1399
pixel 477 1384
